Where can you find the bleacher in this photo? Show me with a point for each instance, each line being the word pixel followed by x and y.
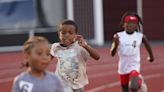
pixel 17 19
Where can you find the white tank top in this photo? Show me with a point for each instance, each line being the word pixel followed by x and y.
pixel 129 52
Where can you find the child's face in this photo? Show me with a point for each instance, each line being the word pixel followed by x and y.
pixel 130 26
pixel 67 34
pixel 39 56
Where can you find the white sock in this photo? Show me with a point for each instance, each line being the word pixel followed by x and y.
pixel 143 85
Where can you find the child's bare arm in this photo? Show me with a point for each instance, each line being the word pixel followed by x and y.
pixel 93 53
pixel 115 44
pixel 148 48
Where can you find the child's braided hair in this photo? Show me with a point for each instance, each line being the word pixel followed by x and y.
pixel 132 14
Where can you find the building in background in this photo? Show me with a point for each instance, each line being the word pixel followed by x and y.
pixel 20 19
pixel 98 20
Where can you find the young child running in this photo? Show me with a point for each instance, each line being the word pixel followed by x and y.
pixel 128 42
pixel 72 53
pixel 36 78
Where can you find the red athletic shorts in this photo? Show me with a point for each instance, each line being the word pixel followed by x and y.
pixel 124 78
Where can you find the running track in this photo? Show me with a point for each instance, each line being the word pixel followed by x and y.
pixel 102 74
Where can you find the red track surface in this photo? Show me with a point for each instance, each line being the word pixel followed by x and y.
pixel 102 74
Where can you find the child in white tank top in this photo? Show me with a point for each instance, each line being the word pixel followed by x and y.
pixel 128 43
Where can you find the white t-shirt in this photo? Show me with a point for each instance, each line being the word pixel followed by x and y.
pixel 71 66
pixel 129 52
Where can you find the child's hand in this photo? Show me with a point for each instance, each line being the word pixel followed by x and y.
pixel 150 59
pixel 116 38
pixel 81 41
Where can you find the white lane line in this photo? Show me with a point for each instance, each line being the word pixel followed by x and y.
pixel 110 72
pixel 6 80
pixel 102 74
pixel 2 80
pixel 110 85
pixel 97 89
pixel 102 66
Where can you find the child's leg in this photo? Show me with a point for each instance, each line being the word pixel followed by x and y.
pixel 143 85
pixel 124 82
pixel 125 88
pixel 135 81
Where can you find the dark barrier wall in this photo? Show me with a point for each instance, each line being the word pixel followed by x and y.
pixel 19 39
pixel 83 15
pixel 113 10
pixel 153 15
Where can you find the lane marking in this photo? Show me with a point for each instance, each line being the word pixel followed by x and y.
pixel 6 80
pixel 110 85
pixel 2 80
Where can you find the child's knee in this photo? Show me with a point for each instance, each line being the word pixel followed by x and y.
pixel 135 83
